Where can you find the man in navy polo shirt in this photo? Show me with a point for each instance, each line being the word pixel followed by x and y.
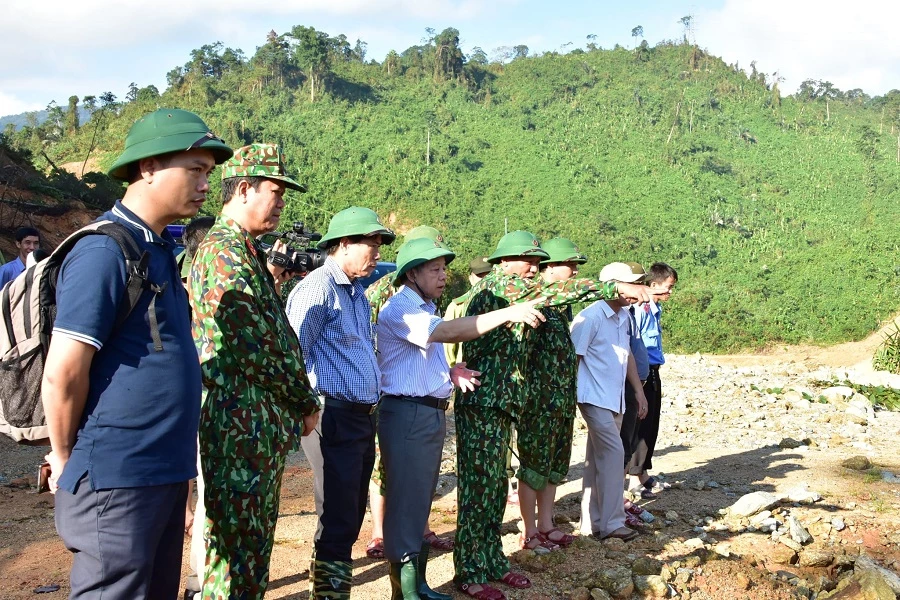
pixel 122 414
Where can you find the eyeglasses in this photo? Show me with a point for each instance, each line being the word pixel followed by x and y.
pixel 208 136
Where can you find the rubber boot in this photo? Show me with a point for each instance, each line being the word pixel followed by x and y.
pixel 329 579
pixel 404 578
pixel 425 592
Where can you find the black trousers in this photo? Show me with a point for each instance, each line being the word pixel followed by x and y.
pixel 648 430
pixel 630 424
pixel 127 542
pixel 347 444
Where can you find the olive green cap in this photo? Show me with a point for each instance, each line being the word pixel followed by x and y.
pixel 423 231
pixel 355 220
pixel 562 250
pixel 417 252
pixel 618 271
pixel 167 130
pixel 517 243
pixel 479 266
pixel 259 160
pixel 637 269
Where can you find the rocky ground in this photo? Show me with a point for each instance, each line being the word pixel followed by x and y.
pixel 782 487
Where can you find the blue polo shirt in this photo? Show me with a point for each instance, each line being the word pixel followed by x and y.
pixel 139 426
pixel 11 270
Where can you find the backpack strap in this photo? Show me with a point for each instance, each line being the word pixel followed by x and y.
pixel 137 278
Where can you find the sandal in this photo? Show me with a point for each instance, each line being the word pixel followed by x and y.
pixel 516 580
pixel 538 542
pixel 633 509
pixel 485 593
pixel 622 533
pixel 642 493
pixel 439 543
pixel 655 485
pixel 633 522
pixel 563 542
pixel 375 548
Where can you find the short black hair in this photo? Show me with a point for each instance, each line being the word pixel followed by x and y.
pixel 24 232
pixel 659 272
pixel 134 169
pixel 194 233
pixel 230 186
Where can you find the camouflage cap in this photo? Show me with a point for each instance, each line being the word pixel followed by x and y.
pixel 259 160
pixel 618 271
pixel 637 269
pixel 479 266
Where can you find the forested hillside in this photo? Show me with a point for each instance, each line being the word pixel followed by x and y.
pixel 780 214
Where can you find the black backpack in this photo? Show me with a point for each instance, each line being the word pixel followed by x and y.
pixel 27 312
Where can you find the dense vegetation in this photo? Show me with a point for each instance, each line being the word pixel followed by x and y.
pixel 780 214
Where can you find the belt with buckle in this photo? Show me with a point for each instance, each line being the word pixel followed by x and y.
pixel 438 403
pixel 357 407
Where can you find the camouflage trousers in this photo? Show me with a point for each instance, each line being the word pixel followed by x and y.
pixel 482 438
pixel 242 498
pixel 545 447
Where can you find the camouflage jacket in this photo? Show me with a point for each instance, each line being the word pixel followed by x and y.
pixel 552 365
pixel 378 293
pixel 256 389
pixel 502 354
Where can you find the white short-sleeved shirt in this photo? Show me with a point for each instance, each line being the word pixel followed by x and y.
pixel 410 364
pixel 600 336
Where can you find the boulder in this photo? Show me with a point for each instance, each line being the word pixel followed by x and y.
pixel 750 504
pixel 857 463
pixel 651 586
pixel 837 393
pixel 646 565
pixel 580 593
pixel 798 532
pixel 617 581
pixel 815 558
pixel 600 594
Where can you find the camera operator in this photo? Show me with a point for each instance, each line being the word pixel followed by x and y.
pixel 257 399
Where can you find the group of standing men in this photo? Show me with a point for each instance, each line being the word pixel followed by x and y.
pixel 124 403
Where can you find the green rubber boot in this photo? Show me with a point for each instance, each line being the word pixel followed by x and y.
pixel 425 592
pixel 403 578
pixel 329 580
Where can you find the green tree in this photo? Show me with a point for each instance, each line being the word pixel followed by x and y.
pixel 310 53
pixel 478 56
pixel 637 32
pixel 448 58
pixel 72 116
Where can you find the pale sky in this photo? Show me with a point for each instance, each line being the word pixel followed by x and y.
pixel 55 48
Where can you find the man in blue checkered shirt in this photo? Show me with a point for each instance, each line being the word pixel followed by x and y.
pixel 332 317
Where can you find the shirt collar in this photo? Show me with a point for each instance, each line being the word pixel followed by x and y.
pixel 415 297
pixel 337 272
pixel 136 223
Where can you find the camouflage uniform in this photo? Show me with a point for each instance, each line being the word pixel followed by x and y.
pixel 484 417
pixel 545 427
pixel 256 395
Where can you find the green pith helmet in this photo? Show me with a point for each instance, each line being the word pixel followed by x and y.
pixel 167 130
pixel 517 243
pixel 562 250
pixel 259 160
pixel 423 231
pixel 355 220
pixel 417 252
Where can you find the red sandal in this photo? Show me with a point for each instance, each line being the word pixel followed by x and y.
pixel 564 542
pixel 485 593
pixel 539 543
pixel 516 580
pixel 375 548
pixel 439 543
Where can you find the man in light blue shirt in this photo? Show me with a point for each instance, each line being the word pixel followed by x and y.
pixel 27 241
pixel 416 383
pixel 661 279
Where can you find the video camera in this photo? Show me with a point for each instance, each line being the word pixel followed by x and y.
pixel 301 255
